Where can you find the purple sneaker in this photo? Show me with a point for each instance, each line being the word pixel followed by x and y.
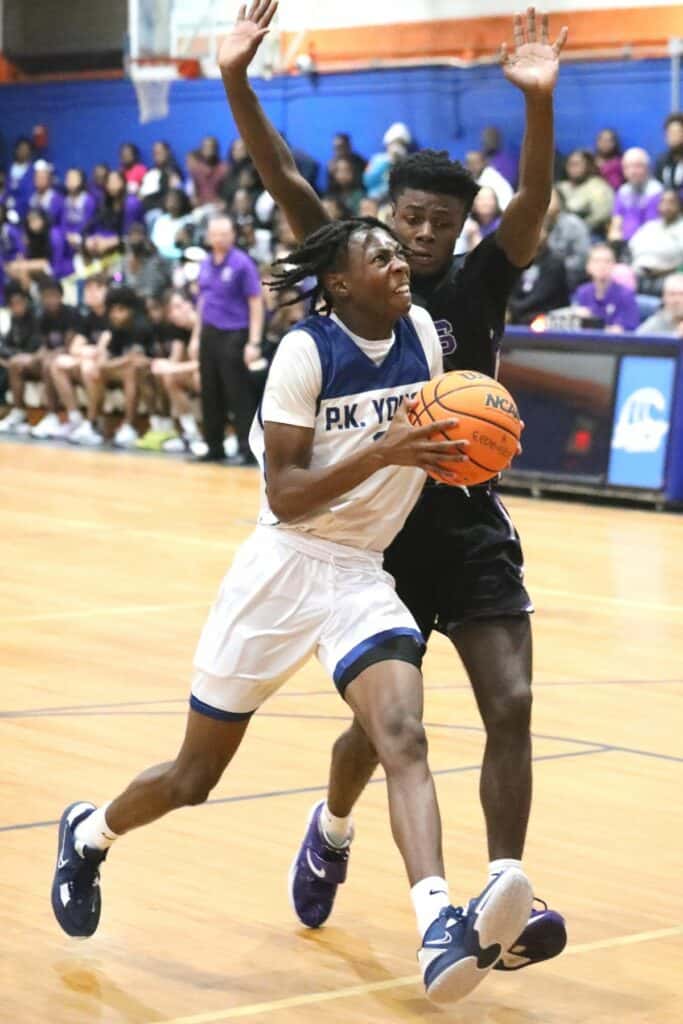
pixel 317 870
pixel 544 937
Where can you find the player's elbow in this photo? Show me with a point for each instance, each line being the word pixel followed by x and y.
pixel 282 503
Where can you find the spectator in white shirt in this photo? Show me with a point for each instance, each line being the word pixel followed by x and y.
pixel 657 248
pixel 486 175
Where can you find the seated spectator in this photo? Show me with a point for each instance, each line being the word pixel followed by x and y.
pixel 497 156
pixel 114 219
pixel 397 139
pixel 11 241
pixel 74 367
pixel 586 193
pixel 342 149
pixel 637 200
pixel 58 326
pixel 568 238
pixel 176 369
pixel 602 298
pixel 123 352
pixel 240 175
pixel 166 228
pixel 162 176
pixel 669 319
pixel 488 176
pixel 20 340
pixel 41 250
pixel 486 211
pixel 45 196
pixel 657 248
pixel 142 268
pixel 98 183
pixel 132 167
pixel 207 172
pixel 669 168
pixel 79 207
pixel 608 154
pixel 20 178
pixel 256 242
pixel 342 185
pixel 242 204
pixel 541 288
pixel 307 166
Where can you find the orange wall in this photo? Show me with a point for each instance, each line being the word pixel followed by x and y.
pixel 479 36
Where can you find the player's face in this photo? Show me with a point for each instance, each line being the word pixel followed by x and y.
pixel 377 275
pixel 428 224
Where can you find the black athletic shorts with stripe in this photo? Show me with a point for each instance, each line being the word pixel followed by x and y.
pixel 458 558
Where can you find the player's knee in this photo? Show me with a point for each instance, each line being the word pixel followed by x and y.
pixel 403 740
pixel 510 711
pixel 191 785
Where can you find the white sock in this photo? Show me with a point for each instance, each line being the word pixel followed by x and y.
pixel 189 425
pixel 337 831
pixel 94 832
pixel 429 896
pixel 496 866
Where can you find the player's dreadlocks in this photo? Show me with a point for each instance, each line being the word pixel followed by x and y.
pixel 431 170
pixel 322 251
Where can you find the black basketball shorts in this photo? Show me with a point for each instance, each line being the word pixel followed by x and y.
pixel 458 558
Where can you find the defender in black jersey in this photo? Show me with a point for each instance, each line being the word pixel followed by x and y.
pixel 458 561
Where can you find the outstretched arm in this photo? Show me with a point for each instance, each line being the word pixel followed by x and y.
pixel 267 148
pixel 533 67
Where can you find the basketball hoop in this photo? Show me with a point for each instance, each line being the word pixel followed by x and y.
pixel 152 78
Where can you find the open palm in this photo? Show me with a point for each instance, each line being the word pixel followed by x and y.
pixel 240 45
pixel 534 64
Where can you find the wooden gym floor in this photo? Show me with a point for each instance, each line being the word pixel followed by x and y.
pixel 109 563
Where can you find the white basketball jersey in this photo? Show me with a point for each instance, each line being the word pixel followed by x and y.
pixel 325 378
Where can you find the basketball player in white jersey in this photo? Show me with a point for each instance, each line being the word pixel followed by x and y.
pixel 342 469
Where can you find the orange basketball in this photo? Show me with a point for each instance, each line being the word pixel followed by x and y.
pixel 487 417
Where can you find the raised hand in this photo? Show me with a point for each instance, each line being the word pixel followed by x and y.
pixel 534 64
pixel 240 45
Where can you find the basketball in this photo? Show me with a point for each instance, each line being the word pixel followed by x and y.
pixel 488 419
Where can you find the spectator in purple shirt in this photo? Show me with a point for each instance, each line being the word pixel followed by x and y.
pixel 608 153
pixel 115 218
pixel 39 250
pixel 637 200
pixel 602 298
pixel 45 196
pixel 79 207
pixel 230 326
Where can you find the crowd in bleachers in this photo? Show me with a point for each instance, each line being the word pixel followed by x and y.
pixel 100 271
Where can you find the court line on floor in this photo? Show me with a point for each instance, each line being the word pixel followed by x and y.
pixel 315 998
pixel 300 790
pixel 59 709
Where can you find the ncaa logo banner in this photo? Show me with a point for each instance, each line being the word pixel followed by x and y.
pixel 642 422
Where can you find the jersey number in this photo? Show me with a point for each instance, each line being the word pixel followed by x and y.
pixel 444 328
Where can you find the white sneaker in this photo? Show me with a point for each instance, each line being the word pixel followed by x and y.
pixel 231 446
pixel 86 435
pixel 70 425
pixel 13 419
pixel 125 436
pixel 49 426
pixel 190 427
pixel 174 446
pixel 199 448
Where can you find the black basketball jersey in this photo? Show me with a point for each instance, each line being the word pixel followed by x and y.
pixel 467 305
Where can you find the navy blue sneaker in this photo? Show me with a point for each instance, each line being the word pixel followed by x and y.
pixel 459 949
pixel 316 871
pixel 76 898
pixel 544 937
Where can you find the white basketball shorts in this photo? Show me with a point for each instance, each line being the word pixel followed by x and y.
pixel 286 597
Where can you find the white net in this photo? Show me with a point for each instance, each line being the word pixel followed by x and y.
pixel 152 87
